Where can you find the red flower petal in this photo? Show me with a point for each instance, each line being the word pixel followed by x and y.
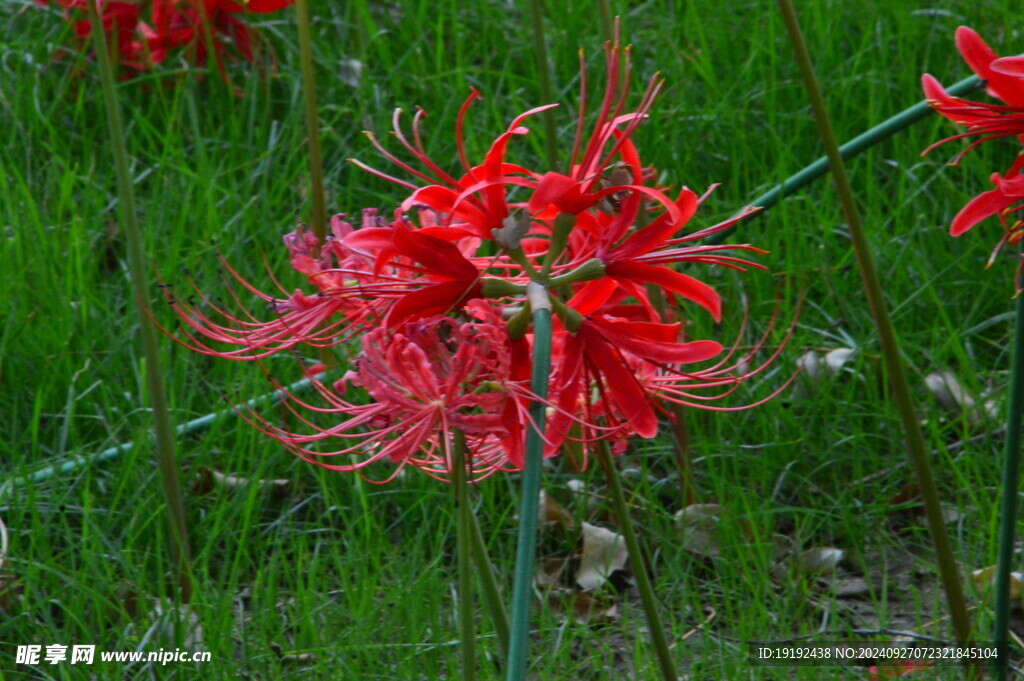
pixel 982 206
pixel 659 231
pixel 438 257
pixel 621 384
pixel 979 57
pixel 435 299
pixel 655 342
pixel 685 286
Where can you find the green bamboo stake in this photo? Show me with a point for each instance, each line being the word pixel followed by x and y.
pixel 1008 510
pixel 464 530
pixel 544 82
pixel 164 433
pixel 193 426
pixel 886 336
pixel 316 166
pixel 526 544
pixel 851 149
pixel 639 563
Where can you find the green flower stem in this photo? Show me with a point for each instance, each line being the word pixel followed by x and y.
pixel 559 238
pixel 463 533
pixel 886 336
pixel 589 271
pixel 180 558
pixel 519 257
pixel 636 559
pixel 544 82
pixel 851 149
pixel 316 166
pixel 492 594
pixel 1011 483
pixel 526 545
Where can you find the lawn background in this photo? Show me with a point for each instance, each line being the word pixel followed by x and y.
pixel 361 576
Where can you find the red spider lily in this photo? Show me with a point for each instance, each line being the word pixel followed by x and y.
pixel 362 278
pixel 1004 78
pixel 451 268
pixel 199 24
pixel 426 378
pixel 120 21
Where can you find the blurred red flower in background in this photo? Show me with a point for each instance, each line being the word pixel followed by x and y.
pixel 192 26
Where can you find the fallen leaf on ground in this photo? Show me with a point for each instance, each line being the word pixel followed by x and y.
pixel 985 578
pixel 604 552
pixel 550 511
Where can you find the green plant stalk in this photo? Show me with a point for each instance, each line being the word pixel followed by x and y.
pixel 639 563
pixel 164 433
pixel 489 584
pixel 526 543
pixel 886 336
pixel 316 166
pixel 604 14
pixel 467 632
pixel 851 149
pixel 544 82
pixel 1008 510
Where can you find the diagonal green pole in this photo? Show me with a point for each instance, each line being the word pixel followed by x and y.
pixel 526 544
pixel 851 149
pixel 164 433
pixel 1008 508
pixel 886 335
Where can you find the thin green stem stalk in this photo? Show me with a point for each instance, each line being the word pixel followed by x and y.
pixel 886 336
pixel 544 82
pixel 639 563
pixel 467 632
pixel 851 149
pixel 489 584
pixel 164 433
pixel 316 166
pixel 1008 510
pixel 604 14
pixel 526 544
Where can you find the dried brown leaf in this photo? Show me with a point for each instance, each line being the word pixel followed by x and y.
pixel 604 552
pixel 985 578
pixel 550 511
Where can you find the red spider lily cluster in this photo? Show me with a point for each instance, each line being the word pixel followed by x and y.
pixel 436 293
pixel 1004 79
pixel 148 33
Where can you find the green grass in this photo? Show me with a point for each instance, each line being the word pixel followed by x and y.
pixel 362 576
